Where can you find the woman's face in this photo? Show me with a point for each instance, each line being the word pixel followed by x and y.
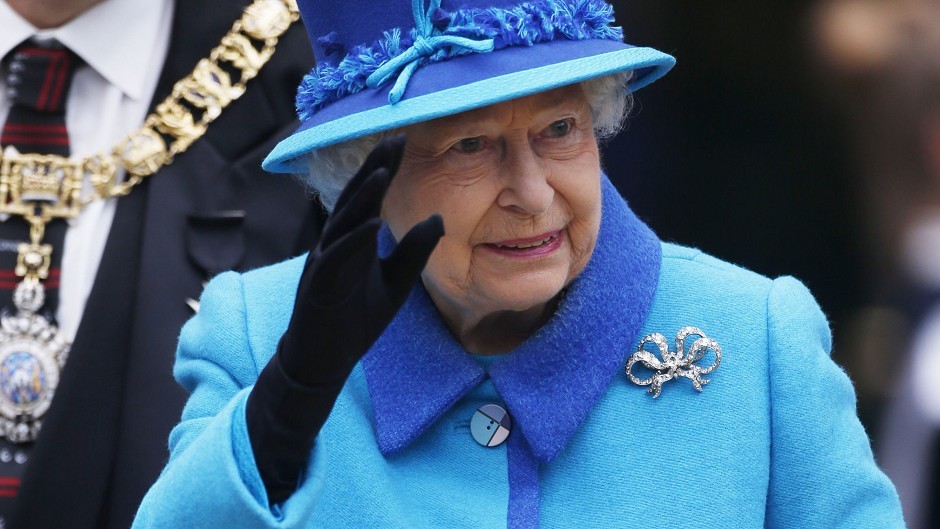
pixel 518 186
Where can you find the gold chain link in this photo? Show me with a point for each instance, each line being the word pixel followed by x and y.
pixel 41 187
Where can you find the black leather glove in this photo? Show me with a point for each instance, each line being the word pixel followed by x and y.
pixel 346 298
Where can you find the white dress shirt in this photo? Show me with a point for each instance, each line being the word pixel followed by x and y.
pixel 124 44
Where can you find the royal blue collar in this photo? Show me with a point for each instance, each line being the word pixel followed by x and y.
pixel 416 370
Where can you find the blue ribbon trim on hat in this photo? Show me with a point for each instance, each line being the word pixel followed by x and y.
pixel 426 44
pixel 439 35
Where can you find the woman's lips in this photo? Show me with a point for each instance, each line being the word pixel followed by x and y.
pixel 528 247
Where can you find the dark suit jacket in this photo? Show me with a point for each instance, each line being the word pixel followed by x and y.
pixel 104 439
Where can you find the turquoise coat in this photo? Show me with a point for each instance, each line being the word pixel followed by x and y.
pixel 771 440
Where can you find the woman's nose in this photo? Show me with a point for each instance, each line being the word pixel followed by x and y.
pixel 526 188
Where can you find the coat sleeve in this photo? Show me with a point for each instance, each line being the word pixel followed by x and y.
pixel 211 479
pixel 822 470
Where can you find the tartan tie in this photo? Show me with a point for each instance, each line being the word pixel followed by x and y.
pixel 38 79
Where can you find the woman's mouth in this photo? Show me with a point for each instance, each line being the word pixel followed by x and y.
pixel 528 247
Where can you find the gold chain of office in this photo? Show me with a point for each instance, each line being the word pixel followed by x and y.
pixel 41 187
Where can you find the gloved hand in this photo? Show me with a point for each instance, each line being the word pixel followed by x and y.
pixel 346 298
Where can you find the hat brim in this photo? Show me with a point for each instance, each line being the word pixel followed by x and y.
pixel 465 83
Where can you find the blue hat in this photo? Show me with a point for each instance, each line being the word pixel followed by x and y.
pixel 383 64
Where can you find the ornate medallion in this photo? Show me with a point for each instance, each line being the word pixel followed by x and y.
pixel 32 352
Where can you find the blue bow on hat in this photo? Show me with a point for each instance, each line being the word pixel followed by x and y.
pixel 426 44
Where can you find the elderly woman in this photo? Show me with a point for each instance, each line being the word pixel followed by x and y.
pixel 479 337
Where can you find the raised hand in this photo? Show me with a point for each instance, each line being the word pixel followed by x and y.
pixel 346 298
pixel 347 295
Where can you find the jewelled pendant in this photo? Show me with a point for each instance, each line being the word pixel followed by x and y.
pixel 32 354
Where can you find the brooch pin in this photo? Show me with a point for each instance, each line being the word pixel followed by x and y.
pixel 674 365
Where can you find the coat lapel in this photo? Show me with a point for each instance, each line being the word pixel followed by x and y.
pixel 416 370
pixel 213 196
pixel 151 399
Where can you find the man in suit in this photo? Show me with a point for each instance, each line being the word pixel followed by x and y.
pixel 129 269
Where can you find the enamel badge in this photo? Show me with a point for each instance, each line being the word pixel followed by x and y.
pixel 673 365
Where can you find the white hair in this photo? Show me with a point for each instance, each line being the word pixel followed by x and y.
pixel 330 168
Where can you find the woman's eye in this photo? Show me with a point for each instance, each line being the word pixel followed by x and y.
pixel 468 145
pixel 559 129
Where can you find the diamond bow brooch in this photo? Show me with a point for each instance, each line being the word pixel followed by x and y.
pixel 674 365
